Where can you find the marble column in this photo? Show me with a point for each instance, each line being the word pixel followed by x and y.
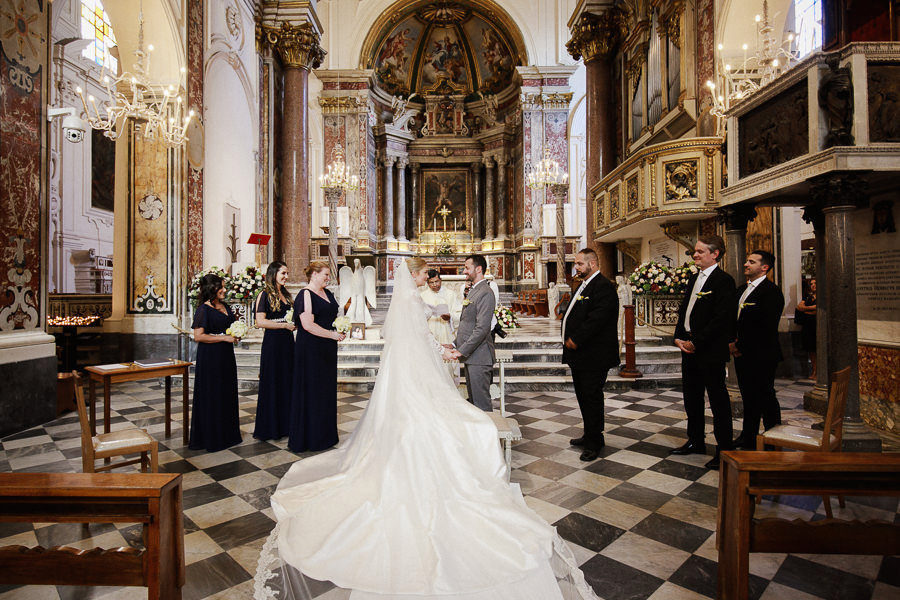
pixel 388 197
pixel 478 199
pixel 735 219
pixel 502 200
pixel 839 195
pixel 415 202
pixel 298 47
pixel 400 199
pixel 595 38
pixel 489 214
pixel 816 400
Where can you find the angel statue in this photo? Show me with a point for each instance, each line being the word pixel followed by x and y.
pixel 358 287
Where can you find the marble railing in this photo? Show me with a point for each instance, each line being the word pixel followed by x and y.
pixel 668 180
pixel 658 310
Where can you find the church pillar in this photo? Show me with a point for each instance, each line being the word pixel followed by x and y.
pixel 839 195
pixel 594 38
pixel 388 197
pixel 489 176
pixel 816 400
pixel 400 199
pixel 298 47
pixel 478 200
pixel 502 199
pixel 415 202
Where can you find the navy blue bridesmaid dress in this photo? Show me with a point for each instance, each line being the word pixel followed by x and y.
pixel 313 423
pixel 276 370
pixel 214 422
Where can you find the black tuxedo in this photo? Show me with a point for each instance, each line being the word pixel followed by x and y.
pixel 712 328
pixel 591 324
pixel 757 342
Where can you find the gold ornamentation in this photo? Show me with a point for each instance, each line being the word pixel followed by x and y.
pixel 297 45
pixel 341 104
pixel 634 68
pixel 633 199
pixel 681 180
pixel 671 22
pixel 614 203
pixel 596 36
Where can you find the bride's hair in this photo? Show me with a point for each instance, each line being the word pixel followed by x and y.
pixel 415 264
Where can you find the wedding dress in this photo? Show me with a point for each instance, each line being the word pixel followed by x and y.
pixel 415 503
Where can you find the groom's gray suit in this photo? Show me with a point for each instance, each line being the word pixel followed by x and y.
pixel 476 344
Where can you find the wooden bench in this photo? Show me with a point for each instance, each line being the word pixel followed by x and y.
pixel 153 499
pixel 541 309
pixel 745 475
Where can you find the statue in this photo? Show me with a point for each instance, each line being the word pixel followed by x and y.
pixel 836 101
pixel 623 289
pixel 357 286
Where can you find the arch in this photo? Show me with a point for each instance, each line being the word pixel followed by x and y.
pixel 162 28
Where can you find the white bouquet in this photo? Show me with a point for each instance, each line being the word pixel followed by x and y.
pixel 289 315
pixel 238 329
pixel 342 324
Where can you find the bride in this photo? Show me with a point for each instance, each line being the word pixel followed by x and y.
pixel 415 503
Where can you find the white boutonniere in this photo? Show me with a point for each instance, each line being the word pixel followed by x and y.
pixel 579 298
pixel 466 302
pixel 746 304
pixel 701 294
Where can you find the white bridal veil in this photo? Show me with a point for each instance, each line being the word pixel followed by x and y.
pixel 415 503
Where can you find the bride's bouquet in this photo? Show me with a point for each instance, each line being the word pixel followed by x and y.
pixel 342 324
pixel 238 329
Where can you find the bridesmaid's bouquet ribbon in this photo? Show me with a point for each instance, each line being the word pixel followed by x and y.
pixel 342 324
pixel 237 329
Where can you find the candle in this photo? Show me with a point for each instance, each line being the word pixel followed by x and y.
pixel 454 224
pixel 434 223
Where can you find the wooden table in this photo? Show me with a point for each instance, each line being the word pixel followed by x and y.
pixel 132 372
pixel 746 475
pixel 152 499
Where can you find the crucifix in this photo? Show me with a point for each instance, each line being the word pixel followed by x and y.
pixel 444 212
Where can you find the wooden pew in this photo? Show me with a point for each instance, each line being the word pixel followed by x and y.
pixel 153 499
pixel 745 475
pixel 540 303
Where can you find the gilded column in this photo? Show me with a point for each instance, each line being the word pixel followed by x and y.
pixel 489 214
pixel 400 199
pixel 502 199
pixel 388 198
pixel 299 50
pixel 594 39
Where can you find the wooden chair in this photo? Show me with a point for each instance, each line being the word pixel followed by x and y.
pixel 114 443
pixel 813 440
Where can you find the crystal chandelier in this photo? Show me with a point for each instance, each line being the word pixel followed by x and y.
pixel 546 172
pixel 337 173
pixel 771 59
pixel 158 109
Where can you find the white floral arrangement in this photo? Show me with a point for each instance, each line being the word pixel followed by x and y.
pixel 237 329
pixel 342 324
pixel 194 288
pixel 505 317
pixel 245 284
pixel 655 278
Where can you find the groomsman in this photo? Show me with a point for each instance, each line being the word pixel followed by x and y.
pixel 590 347
pixel 705 327
pixel 756 350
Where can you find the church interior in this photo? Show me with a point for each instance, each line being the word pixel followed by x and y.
pixel 144 143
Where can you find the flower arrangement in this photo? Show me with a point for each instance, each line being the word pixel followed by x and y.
pixel 654 278
pixel 245 284
pixel 444 249
pixel 342 324
pixel 237 329
pixel 506 317
pixel 194 288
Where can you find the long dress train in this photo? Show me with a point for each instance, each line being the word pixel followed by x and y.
pixel 415 503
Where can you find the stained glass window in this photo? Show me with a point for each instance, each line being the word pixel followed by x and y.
pixel 95 27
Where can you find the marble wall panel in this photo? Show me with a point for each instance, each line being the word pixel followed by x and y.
pixel 879 387
pixel 195 45
pixel 23 91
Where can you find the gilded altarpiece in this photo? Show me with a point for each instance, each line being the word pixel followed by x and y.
pixel 151 228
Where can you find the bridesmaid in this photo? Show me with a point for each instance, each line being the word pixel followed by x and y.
pixel 313 423
pixel 214 422
pixel 277 357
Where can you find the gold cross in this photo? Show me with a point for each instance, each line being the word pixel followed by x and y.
pixel 444 212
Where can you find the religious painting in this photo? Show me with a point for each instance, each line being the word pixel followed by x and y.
pixel 103 171
pixel 884 102
pixel 443 58
pixel 394 58
pixel 494 60
pixel 444 196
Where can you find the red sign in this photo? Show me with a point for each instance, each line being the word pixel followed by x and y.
pixel 260 239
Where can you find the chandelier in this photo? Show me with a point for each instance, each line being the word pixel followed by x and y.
pixel 546 172
pixel 771 59
pixel 337 174
pixel 159 110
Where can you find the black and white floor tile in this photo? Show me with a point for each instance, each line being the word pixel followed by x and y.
pixel 641 523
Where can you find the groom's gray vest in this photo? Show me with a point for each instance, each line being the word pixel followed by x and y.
pixel 473 337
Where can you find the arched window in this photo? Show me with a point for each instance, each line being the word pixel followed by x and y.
pixel 95 27
pixel 808 25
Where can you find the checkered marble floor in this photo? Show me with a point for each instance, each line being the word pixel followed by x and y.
pixel 641 523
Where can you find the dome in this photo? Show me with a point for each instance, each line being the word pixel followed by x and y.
pixel 461 46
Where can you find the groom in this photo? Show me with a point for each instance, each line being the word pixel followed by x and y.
pixel 474 342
